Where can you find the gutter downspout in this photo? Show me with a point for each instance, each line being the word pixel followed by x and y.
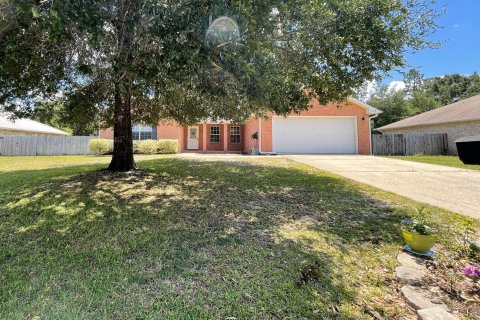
pixel 260 135
pixel 370 129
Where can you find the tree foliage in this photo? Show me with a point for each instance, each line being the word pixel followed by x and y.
pixel 394 106
pixel 421 95
pixel 451 88
pixel 71 116
pixel 145 60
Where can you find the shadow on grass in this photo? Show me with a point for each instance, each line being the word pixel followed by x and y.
pixel 188 240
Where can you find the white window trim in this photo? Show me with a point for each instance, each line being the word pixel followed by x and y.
pixel 239 134
pixel 140 130
pixel 214 134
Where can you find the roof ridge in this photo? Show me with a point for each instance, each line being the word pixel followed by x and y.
pixel 460 111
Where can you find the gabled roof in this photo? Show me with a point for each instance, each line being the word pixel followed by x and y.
pixel 370 110
pixel 27 125
pixel 461 111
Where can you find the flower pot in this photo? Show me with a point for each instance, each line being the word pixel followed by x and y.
pixel 418 242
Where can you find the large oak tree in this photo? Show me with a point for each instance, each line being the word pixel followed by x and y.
pixel 146 60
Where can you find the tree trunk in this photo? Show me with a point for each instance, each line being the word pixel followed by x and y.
pixel 122 159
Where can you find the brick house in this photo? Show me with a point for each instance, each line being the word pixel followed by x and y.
pixel 456 120
pixel 337 128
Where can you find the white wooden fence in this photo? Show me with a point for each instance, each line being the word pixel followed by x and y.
pixel 43 145
pixel 409 144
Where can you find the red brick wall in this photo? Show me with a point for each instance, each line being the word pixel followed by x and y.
pixel 250 127
pixel 200 138
pixel 215 146
pixel 331 109
pixel 171 130
pixel 106 133
pixel 236 147
pixel 165 130
pixel 266 138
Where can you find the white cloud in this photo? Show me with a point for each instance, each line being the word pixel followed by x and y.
pixel 456 25
pixel 367 90
pixel 395 86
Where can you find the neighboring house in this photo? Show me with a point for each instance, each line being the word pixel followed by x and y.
pixel 27 127
pixel 456 120
pixel 337 128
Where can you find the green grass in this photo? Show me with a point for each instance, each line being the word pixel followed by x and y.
pixel 449 161
pixel 250 238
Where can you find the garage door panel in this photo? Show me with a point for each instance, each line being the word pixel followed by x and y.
pixel 327 135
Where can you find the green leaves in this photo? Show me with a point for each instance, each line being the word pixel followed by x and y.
pixel 35 13
pixel 283 47
pixel 422 94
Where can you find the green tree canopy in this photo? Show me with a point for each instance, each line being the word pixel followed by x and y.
pixel 454 87
pixel 394 106
pixel 422 94
pixel 145 60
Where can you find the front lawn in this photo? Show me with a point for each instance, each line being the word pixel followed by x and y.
pixel 209 238
pixel 449 161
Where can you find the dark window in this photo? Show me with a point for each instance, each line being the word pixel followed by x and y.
pixel 143 133
pixel 215 134
pixel 235 134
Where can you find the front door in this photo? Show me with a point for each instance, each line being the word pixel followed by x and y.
pixel 192 142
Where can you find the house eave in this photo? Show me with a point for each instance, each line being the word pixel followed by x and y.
pixel 34 131
pixel 426 125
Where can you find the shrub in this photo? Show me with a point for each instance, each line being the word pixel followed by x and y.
pixel 135 146
pixel 100 146
pixel 167 146
pixel 147 146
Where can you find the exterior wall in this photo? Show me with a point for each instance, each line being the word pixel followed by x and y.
pixel 454 131
pixel 216 146
pixel 266 135
pixel 165 130
pixel 235 147
pixel 250 127
pixel 331 109
pixel 200 138
pixel 25 133
pixel 106 133
pixel 171 130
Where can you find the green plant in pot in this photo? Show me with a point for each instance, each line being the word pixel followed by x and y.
pixel 418 236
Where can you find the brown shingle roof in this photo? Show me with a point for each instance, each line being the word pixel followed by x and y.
pixel 461 111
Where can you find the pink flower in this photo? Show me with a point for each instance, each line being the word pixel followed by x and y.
pixel 473 270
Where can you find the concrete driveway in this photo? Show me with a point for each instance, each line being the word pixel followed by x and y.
pixel 454 189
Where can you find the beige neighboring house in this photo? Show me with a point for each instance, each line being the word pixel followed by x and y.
pixel 457 120
pixel 22 127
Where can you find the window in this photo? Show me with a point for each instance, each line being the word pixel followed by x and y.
pixel 214 134
pixel 235 134
pixel 144 133
pixel 193 133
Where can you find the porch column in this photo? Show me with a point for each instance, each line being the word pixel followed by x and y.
pixel 204 138
pixel 225 137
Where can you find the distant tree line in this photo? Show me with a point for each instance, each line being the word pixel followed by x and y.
pixel 422 94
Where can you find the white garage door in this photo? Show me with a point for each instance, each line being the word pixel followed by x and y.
pixel 330 135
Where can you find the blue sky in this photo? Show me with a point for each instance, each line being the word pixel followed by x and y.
pixel 460 52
